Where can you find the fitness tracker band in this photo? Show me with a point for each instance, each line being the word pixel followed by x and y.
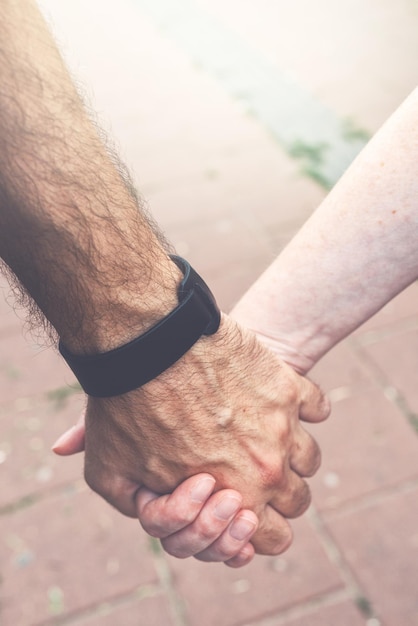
pixel 132 365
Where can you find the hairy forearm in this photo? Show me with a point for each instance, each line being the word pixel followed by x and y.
pixel 71 228
pixel 355 253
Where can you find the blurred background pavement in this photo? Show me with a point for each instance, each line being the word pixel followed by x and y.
pixel 235 118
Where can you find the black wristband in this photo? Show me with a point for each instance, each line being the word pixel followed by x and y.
pixel 129 366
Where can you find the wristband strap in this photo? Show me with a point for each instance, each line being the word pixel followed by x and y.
pixel 132 365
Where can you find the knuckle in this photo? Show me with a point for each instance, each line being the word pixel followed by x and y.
pixel 206 531
pixel 191 543
pixel 285 543
pixel 300 501
pixel 182 517
pixel 151 527
pixel 227 550
pixel 171 548
pixel 217 555
pixel 272 473
pixel 315 463
pixel 271 541
pixel 158 525
pixel 305 457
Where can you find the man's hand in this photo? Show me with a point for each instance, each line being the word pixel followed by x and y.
pixel 228 407
pixel 188 521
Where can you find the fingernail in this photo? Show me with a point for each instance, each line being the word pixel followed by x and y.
pixel 202 489
pixel 242 528
pixel 227 507
pixel 63 438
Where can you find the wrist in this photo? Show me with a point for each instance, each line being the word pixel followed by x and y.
pixel 298 345
pixel 116 315
pixel 131 365
pixel 285 349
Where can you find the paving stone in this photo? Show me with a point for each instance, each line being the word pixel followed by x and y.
pixel 344 614
pixel 367 445
pixel 397 357
pixel 152 611
pixel 357 57
pixel 24 366
pixel 186 119
pixel 215 245
pixel 68 553
pixel 229 283
pixel 268 584
pixel 204 153
pixel 342 367
pixel 27 369
pixel 342 372
pixel 256 179
pixel 28 428
pixel 380 542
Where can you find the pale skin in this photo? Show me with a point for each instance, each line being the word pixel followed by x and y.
pixel 356 252
pixel 74 234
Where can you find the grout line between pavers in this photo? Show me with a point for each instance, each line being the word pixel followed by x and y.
pixel 393 329
pixel 372 499
pixel 105 608
pixel 336 557
pixel 303 609
pixel 391 392
pixel 176 605
pixel 76 486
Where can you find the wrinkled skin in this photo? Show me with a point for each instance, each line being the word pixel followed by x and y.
pixel 229 408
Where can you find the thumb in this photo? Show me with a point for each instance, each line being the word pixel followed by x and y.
pixel 72 441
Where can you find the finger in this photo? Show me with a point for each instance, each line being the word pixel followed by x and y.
pixel 273 535
pixel 72 441
pixel 208 526
pixel 232 541
pixel 314 406
pixel 161 516
pixel 244 557
pixel 292 497
pixel 305 455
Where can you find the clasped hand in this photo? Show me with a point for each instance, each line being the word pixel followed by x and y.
pixel 228 408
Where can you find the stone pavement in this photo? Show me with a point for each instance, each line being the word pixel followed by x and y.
pixel 235 117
